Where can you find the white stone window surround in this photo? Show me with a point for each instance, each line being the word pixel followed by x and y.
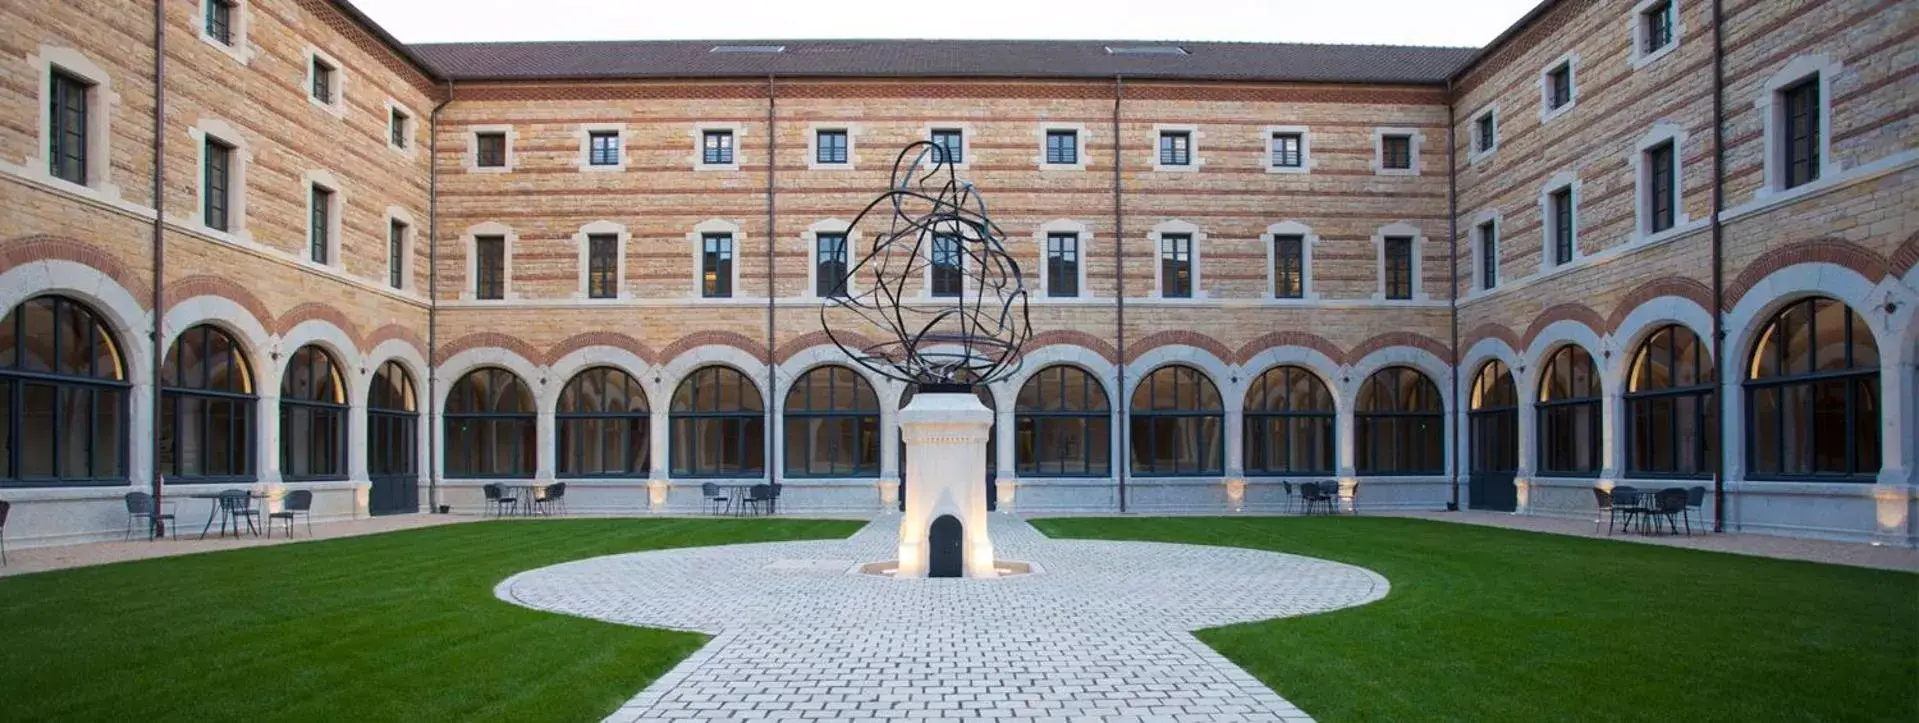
pixel 584 134
pixel 1641 56
pixel 1772 112
pixel 469 291
pixel 239 19
pixel 1478 153
pixel 408 243
pixel 238 160
pixel 1398 229
pixel 852 131
pixel 811 236
pixel 472 159
pixel 581 241
pixel 1081 136
pixel 1569 61
pixel 1661 132
pixel 1416 140
pixel 1193 138
pixel 696 239
pixel 966 140
pixel 337 85
pixel 1084 233
pixel 409 128
pixel 1477 236
pixel 1549 227
pixel 1177 227
pixel 699 146
pixel 1305 148
pixel 1308 240
pixel 101 103
pixel 336 210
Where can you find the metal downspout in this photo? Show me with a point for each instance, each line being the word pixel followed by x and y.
pixel 1452 236
pixel 433 302
pixel 158 334
pixel 1718 248
pixel 772 366
pixel 1119 298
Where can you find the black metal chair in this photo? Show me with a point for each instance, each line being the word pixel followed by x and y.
pixel 1603 508
pixel 5 507
pixel 1313 494
pixel 140 507
pixel 552 497
pixel 715 499
pixel 1291 501
pixel 236 505
pixel 773 499
pixel 1669 503
pixel 497 501
pixel 1626 500
pixel 757 497
pixel 1695 502
pixel 298 502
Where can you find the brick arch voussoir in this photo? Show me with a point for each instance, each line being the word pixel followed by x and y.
pixel 1271 340
pixel 389 332
pixel 1906 256
pixel 1569 311
pixel 207 285
pixel 708 338
pixel 484 340
pixel 812 339
pixel 1399 338
pixel 1178 337
pixel 1680 286
pixel 613 339
pixel 41 247
pixel 1074 337
pixel 311 310
pixel 1831 251
pixel 1490 330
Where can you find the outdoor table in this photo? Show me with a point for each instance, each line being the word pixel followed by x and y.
pixel 215 512
pixel 525 492
pixel 1645 502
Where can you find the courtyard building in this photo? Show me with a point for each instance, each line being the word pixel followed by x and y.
pixel 262 243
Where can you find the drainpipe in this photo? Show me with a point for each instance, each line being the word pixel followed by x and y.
pixel 433 300
pixel 1119 299
pixel 1718 258
pixel 772 385
pixel 157 334
pixel 1452 236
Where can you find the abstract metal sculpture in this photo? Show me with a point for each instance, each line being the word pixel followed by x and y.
pixel 969 335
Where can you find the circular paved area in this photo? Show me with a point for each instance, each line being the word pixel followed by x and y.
pixel 1101 631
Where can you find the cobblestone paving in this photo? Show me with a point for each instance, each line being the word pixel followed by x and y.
pixel 1100 632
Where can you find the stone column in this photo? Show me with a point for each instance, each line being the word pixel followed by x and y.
pixel 945 437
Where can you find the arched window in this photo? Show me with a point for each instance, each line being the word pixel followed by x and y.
pixel 392 433
pixel 1062 425
pixel 1812 395
pixel 1178 425
pixel 1670 420
pixel 1399 424
pixel 206 409
pixel 1289 423
pixel 1495 420
pixel 603 418
pixel 63 397
pixel 313 411
pixel 1569 413
pixel 490 428
pixel 832 425
pixel 718 425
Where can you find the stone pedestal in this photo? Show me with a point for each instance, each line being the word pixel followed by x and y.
pixel 945 437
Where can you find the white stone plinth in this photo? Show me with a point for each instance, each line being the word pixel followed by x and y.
pixel 945 437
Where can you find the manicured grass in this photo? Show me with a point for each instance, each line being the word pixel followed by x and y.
pixel 400 626
pixel 1486 624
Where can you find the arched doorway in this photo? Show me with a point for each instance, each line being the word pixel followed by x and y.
pixel 992 446
pixel 946 548
pixel 392 444
pixel 1494 424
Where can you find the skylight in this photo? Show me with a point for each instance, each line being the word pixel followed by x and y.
pixel 748 49
pixel 1145 50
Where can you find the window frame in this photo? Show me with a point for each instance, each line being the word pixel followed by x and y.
pixel 1662 160
pixel 1030 422
pixel 490 267
pixel 243 436
pixel 1052 150
pixel 1552 414
pixel 326 82
pixel 1703 392
pixel 1288 264
pixel 1257 449
pixel 717 154
pixel 216 198
pixel 1561 226
pixel 1366 424
pixel 841 264
pixel 330 417
pixel 1794 118
pixel 1175 149
pixel 1188 256
pixel 603 266
pixel 824 155
pixel 1276 155
pixel 64 116
pixel 571 424
pixel 865 423
pixel 1062 248
pixel 958 158
pixel 1391 274
pixel 398 248
pixel 744 416
pixel 605 149
pixel 1383 137
pixel 323 223
pixel 523 452
pixel 1483 133
pixel 480 156
pixel 1859 381
pixel 1186 422
pixel 1486 252
pixel 1644 30
pixel 716 272
pixel 102 391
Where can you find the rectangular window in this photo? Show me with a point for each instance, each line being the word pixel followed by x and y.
pixel 322 201
pixel 1488 255
pixel 218 184
pixel 1399 267
pixel 1289 267
pixel 1062 264
pixel 220 21
pixel 1802 132
pixel 1562 211
pixel 322 81
pixel 1287 150
pixel 68 132
pixel 1396 152
pixel 1062 147
pixel 1175 148
pixel 1657 24
pixel 1483 132
pixel 716 266
pixel 716 148
pixel 1559 86
pixel 489 267
pixel 1176 266
pixel 396 254
pixel 490 150
pixel 396 127
pixel 951 144
pixel 603 148
pixel 1660 195
pixel 602 266
pixel 829 276
pixel 829 147
pixel 948 266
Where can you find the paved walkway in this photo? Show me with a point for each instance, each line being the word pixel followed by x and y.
pixel 1102 631
pixel 1885 557
pixel 41 559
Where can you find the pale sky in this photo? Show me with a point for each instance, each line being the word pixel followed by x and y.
pixel 1394 22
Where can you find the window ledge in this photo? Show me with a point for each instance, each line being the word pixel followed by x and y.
pixel 735 166
pixel 1395 172
pixel 1288 170
pixel 1548 115
pixel 1639 60
pixel 238 51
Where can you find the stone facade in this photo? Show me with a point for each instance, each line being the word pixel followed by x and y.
pixel 1851 236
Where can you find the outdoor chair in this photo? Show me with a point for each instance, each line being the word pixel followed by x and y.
pixel 1291 501
pixel 1603 509
pixel 235 505
pixel 552 497
pixel 1669 503
pixel 1352 498
pixel 1313 495
pixel 757 497
pixel 1626 500
pixel 4 507
pixel 773 499
pixel 299 502
pixel 496 500
pixel 1695 502
pixel 140 507
pixel 716 501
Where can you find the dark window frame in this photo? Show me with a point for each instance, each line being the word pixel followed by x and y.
pixel 1643 399
pixel 219 21
pixel 323 74
pixel 716 147
pixel 832 257
pixel 104 389
pixel 489 149
pixel 216 179
pixel 1488 243
pixel 396 127
pixel 735 425
pixel 1377 430
pixel 1287 149
pixel 1396 152
pixel 1186 423
pixel 1557 447
pixel 1062 264
pixel 1799 150
pixel 1062 147
pixel 1656 24
pixel 70 140
pixel 603 266
pixel 396 250
pixel 1862 389
pixel 1176 148
pixel 717 257
pixel 487 425
pixel 1289 266
pixel 831 147
pixel 392 414
pixel 1272 434
pixel 1662 193
pixel 951 142
pixel 603 148
pixel 1039 417
pixel 1398 284
pixel 803 411
pixel 326 460
pixel 1485 131
pixel 320 201
pixel 946 275
pixel 489 267
pixel 1176 254
pixel 580 431
pixel 1559 86
pixel 237 395
pixel 1565 233
pixel 1493 421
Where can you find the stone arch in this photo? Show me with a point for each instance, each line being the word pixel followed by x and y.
pixel 565 368
pixel 1641 321
pixel 335 342
pixel 1311 359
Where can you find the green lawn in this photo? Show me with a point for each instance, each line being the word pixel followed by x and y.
pixel 401 626
pixel 1486 624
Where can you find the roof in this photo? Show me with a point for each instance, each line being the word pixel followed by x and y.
pixel 1296 62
